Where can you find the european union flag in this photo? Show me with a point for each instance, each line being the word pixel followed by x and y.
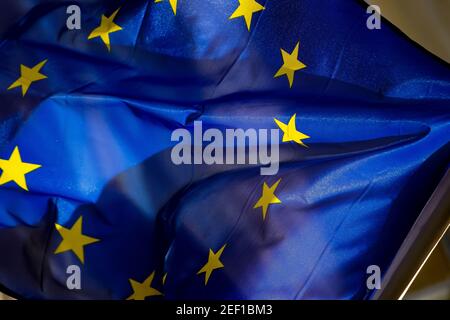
pixel 241 149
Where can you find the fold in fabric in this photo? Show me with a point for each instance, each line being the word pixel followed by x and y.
pixel 374 104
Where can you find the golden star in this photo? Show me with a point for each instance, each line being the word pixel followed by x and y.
pixel 144 289
pixel 212 264
pixel 290 132
pixel 28 76
pixel 15 170
pixel 73 239
pixel 268 197
pixel 106 27
pixel 246 9
pixel 290 65
pixel 173 4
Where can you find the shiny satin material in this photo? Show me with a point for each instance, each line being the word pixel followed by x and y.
pixel 375 105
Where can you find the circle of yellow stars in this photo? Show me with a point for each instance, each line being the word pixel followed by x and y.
pixel 72 239
pixel 246 9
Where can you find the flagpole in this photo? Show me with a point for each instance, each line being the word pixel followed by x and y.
pixel 426 233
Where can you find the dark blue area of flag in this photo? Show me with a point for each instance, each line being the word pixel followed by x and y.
pixel 375 105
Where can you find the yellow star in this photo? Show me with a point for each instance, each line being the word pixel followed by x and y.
pixel 73 239
pixel 15 170
pixel 212 264
pixel 246 9
pixel 106 27
pixel 173 4
pixel 28 76
pixel 290 132
pixel 268 197
pixel 290 65
pixel 144 289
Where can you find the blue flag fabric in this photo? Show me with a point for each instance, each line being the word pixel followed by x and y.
pixel 85 146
